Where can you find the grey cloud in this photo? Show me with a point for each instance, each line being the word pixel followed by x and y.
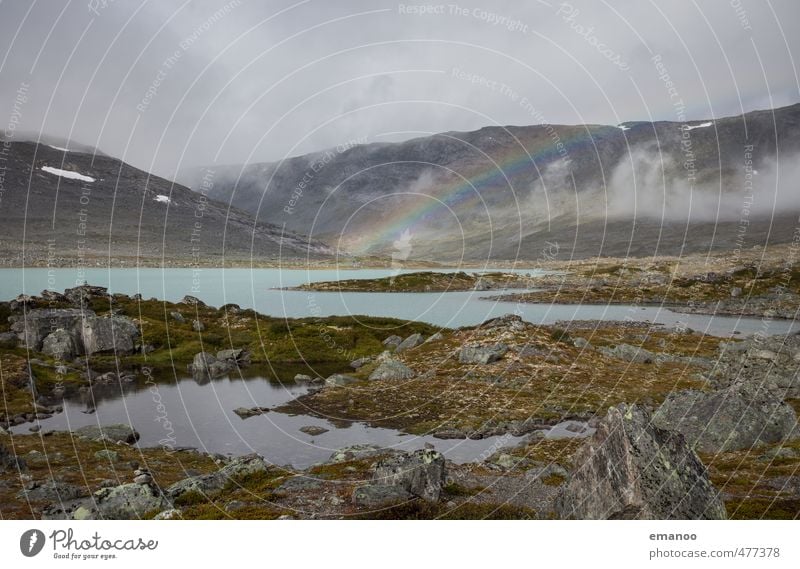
pixel 229 93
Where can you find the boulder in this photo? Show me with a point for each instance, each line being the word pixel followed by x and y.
pixel 59 345
pixel 313 430
pixel 110 334
pixel 355 452
pixel 51 491
pixel 126 502
pixel 235 470
pixel 740 416
pixel 41 322
pixel 79 295
pixel 245 412
pixel 512 322
pixel 412 341
pixel 339 380
pixel 628 353
pixel 108 433
pixel 198 326
pixel 303 378
pixel 632 469
pixel 192 301
pixel 201 363
pixel 360 362
pixel 177 317
pixel 392 341
pixel 479 354
pixel 236 355
pixel 379 496
pixel 9 462
pixel 421 473
pixel 392 370
pixel 8 340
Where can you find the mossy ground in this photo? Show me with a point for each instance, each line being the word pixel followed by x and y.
pixel 541 377
pixel 423 282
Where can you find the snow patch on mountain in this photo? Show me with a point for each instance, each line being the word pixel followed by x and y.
pixel 67 174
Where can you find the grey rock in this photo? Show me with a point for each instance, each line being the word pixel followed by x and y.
pixel 479 354
pixel 339 380
pixel 313 430
pixel 198 326
pixel 109 334
pixel 245 412
pixel 392 341
pixel 8 340
pixel 51 491
pixel 303 378
pixel 236 469
pixel 171 514
pixel 421 473
pixel 108 433
pixel 741 416
pixel 360 362
pixel 297 484
pixel 581 343
pixel 632 469
pixel 177 317
pixel 127 502
pixel 412 341
pixel 355 452
pixel 380 496
pixel 391 370
pixel 192 301
pixel 41 322
pixel 628 353
pixel 238 356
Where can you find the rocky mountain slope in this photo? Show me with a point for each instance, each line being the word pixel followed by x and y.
pixel 638 188
pixel 77 208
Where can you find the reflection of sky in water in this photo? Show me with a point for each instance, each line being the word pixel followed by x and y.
pixel 202 416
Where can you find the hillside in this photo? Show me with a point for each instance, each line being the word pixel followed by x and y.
pixel 68 208
pixel 504 192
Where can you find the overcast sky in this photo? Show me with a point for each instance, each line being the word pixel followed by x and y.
pixel 167 84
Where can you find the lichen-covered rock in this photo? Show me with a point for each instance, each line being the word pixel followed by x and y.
pixel 235 470
pixel 379 496
pixel 478 354
pixel 127 502
pixel 51 491
pixel 412 341
pixel 41 322
pixel 632 469
pixel 741 416
pixel 339 380
pixel 392 341
pixel 59 345
pixel 392 370
pixel 108 334
pixel 108 433
pixel 421 473
pixel 628 353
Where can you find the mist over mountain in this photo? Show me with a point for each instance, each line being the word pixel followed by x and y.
pixel 63 207
pixel 505 192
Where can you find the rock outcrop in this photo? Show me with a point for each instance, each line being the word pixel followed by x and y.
pixel 235 470
pixel 633 470
pixel 420 473
pixel 741 416
pixel 392 370
pixel 479 354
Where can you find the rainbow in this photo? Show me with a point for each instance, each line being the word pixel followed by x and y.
pixel 465 193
